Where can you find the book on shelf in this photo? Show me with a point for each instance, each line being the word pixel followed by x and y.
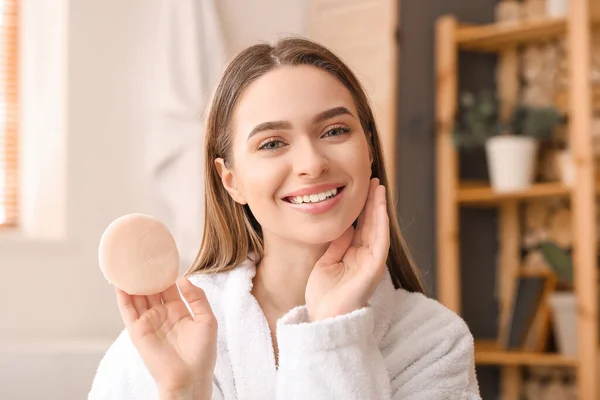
pixel 526 318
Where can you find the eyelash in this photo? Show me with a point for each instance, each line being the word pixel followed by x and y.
pixel 344 130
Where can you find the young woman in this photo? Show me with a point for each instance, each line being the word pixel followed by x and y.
pixel 303 287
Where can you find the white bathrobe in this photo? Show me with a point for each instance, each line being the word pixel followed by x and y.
pixel 402 346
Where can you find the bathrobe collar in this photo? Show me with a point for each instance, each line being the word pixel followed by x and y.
pixel 249 338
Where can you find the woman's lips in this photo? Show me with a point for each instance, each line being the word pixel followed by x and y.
pixel 320 207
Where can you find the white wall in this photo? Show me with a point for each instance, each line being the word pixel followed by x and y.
pixel 249 21
pixel 54 300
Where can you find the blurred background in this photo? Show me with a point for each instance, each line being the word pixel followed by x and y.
pixel 487 111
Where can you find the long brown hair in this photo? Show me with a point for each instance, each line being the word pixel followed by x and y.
pixel 231 233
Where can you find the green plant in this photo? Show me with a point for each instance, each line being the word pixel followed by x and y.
pixel 536 122
pixel 559 260
pixel 478 119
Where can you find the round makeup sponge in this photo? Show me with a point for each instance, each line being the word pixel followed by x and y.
pixel 138 255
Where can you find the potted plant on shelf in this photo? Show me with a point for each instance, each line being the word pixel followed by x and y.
pixel 511 146
pixel 563 302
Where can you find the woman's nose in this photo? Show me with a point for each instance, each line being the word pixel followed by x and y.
pixel 310 160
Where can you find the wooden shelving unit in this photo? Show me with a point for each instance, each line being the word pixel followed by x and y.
pixel 499 36
pixel 452 194
pixel 488 353
pixel 471 193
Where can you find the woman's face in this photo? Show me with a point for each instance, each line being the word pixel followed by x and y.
pixel 297 141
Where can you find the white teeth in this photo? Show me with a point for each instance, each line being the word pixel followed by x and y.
pixel 314 198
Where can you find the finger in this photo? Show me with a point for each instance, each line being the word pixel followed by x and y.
pixel 170 294
pixel 126 307
pixel 336 249
pixel 378 201
pixel 368 226
pixel 358 237
pixel 154 300
pixel 140 303
pixel 382 240
pixel 195 297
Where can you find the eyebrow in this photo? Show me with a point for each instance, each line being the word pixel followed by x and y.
pixel 281 125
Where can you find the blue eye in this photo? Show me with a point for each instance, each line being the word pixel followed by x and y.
pixel 271 144
pixel 337 131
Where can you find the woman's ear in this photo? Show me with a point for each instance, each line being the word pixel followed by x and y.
pixel 229 182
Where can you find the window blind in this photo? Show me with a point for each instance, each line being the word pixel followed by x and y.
pixel 9 116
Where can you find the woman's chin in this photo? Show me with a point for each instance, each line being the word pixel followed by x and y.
pixel 323 236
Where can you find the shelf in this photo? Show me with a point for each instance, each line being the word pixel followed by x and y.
pixel 482 193
pixel 487 352
pixel 497 36
pixel 500 35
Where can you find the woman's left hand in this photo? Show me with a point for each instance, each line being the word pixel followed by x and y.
pixel 346 276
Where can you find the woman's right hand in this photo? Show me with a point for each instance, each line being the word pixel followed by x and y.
pixel 179 350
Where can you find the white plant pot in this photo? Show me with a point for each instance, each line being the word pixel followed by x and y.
pixel 511 162
pixel 564 321
pixel 557 8
pixel 566 167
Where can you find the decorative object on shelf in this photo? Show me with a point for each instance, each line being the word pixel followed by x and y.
pixel 512 156
pixel 477 119
pixel 511 147
pixel 535 122
pixel 528 320
pixel 557 8
pixel 534 9
pixel 563 303
pixel 509 11
pixel 564 321
pixel 511 162
pixel 549 261
pixel 561 262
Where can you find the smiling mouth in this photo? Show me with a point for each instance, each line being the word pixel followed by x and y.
pixel 315 198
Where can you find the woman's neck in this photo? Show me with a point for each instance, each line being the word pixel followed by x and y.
pixel 281 277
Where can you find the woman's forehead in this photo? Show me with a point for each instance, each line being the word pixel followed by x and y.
pixel 290 93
